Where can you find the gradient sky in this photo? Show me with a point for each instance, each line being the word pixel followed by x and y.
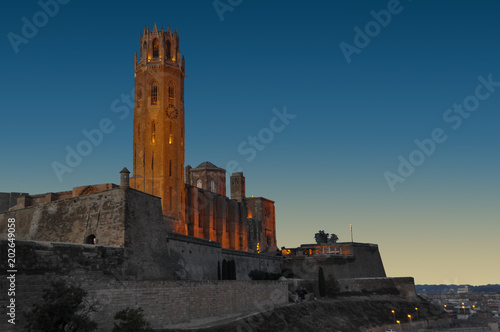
pixel 325 169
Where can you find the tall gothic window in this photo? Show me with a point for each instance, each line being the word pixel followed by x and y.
pixel 153 132
pixel 144 50
pixel 171 94
pixel 212 185
pixel 169 56
pixel 154 93
pixel 156 48
pixel 198 183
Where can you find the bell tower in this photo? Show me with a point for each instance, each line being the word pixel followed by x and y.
pixel 159 122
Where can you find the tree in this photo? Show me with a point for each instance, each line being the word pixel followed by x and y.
pixel 333 238
pixel 64 309
pixel 131 320
pixel 323 238
pixel 321 282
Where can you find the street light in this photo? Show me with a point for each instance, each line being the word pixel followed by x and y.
pixel 399 323
pixel 416 309
pixel 411 328
pixel 394 315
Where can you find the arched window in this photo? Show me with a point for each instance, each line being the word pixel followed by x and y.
pixel 169 54
pixel 153 132
pixel 91 239
pixel 198 183
pixel 156 48
pixel 144 50
pixel 212 185
pixel 154 93
pixel 171 94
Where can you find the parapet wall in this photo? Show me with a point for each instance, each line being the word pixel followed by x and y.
pixel 246 262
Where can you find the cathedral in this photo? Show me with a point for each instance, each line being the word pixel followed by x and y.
pixel 193 200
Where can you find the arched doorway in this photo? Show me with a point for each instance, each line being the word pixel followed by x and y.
pixel 91 239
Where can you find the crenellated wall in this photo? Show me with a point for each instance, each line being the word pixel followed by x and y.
pixel 72 219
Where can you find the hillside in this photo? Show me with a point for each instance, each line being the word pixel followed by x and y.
pixel 341 314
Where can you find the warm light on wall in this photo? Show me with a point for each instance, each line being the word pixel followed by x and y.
pixel 249 214
pixel 258 247
pixel 170 139
pixel 286 252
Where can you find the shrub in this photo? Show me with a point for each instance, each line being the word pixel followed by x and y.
pixel 64 309
pixel 131 320
pixel 261 275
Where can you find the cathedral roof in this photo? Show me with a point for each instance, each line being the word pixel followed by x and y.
pixel 206 164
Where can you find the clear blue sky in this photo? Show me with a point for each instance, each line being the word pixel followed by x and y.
pixel 327 167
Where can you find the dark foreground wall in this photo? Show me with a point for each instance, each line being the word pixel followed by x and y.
pixel 165 304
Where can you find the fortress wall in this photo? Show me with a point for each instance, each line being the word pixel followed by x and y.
pixel 192 258
pixel 371 262
pixel 174 302
pixel 246 262
pixel 405 286
pixel 165 303
pixel 110 276
pixel 146 251
pixel 364 263
pixel 72 219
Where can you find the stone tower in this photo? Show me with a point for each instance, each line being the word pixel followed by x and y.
pixel 159 122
